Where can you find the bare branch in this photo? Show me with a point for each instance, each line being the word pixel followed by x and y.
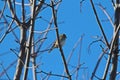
pixel 17 55
pixel 9 27
pixel 74 47
pixel 79 58
pixel 93 42
pixel 81 2
pixel 52 74
pixel 108 16
pixel 98 62
pixel 5 71
pixel 23 11
pixel 100 26
pixel 113 3
pixel 18 3
pixel 12 12
pixel 2 11
pixel 57 35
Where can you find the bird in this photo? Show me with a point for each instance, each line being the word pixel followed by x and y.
pixel 62 39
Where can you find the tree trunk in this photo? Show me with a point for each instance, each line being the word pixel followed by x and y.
pixel 22 54
pixel 116 45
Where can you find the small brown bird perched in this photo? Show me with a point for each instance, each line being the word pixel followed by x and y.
pixel 62 38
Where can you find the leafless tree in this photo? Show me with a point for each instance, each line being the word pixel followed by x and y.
pixel 20 19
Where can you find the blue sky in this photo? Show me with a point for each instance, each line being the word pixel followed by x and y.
pixel 74 24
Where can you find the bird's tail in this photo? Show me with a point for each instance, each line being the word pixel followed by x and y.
pixel 51 48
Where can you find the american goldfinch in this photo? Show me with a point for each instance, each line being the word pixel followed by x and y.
pixel 62 38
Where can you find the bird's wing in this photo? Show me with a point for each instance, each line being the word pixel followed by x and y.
pixel 53 46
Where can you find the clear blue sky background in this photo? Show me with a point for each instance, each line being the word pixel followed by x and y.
pixel 76 21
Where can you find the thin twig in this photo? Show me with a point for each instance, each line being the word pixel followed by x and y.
pixel 76 68
pixel 18 3
pixel 108 16
pixel 52 74
pixel 5 72
pixel 47 30
pixel 93 42
pixel 44 36
pixel 81 2
pixel 5 34
pixel 98 62
pixel 16 37
pixel 17 55
pixel 113 3
pixel 79 57
pixel 2 11
pixel 100 26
